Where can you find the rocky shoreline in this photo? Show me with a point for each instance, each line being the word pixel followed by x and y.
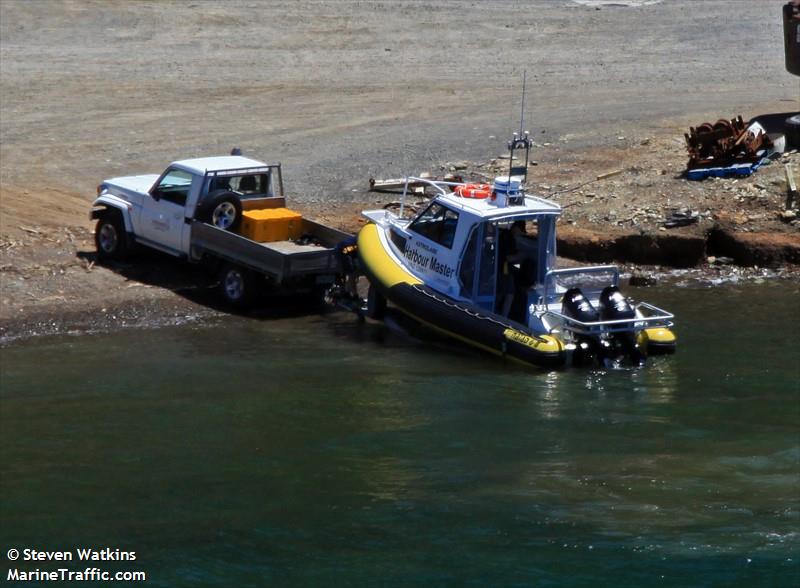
pixel 78 297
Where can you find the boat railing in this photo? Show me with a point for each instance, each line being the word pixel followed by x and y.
pixel 551 279
pixel 438 185
pixel 384 216
pixel 652 316
pixel 538 206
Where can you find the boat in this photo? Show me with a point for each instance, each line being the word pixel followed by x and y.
pixel 478 264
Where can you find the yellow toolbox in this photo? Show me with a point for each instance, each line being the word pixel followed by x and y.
pixel 271 224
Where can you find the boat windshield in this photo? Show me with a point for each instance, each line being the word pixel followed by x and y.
pixel 437 223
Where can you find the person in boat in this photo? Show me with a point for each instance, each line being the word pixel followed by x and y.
pixel 510 255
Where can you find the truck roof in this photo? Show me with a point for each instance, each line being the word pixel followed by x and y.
pixel 202 165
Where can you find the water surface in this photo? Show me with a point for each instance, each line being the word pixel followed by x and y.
pixel 323 452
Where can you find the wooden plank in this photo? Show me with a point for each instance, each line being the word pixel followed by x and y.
pixel 392 184
pixel 610 174
pixel 791 187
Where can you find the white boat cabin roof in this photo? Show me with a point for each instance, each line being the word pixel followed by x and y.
pixel 485 208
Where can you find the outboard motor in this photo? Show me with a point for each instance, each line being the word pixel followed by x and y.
pixel 614 306
pixel 576 305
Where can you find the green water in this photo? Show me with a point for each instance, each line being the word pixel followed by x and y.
pixel 322 452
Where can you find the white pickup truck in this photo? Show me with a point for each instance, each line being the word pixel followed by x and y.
pixel 194 209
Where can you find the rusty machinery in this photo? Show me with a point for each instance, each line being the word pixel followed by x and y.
pixel 724 142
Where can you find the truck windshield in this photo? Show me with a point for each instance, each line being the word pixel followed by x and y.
pixel 174 186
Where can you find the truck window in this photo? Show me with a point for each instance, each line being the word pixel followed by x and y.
pixel 438 224
pixel 174 186
pixel 257 185
pixel 250 184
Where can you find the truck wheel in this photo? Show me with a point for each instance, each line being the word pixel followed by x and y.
pixel 237 286
pixel 223 209
pixel 792 131
pixel 376 304
pixel 110 237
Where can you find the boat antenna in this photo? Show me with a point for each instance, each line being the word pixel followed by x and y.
pixel 521 139
pixel 522 105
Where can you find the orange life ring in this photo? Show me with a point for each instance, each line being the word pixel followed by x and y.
pixel 473 190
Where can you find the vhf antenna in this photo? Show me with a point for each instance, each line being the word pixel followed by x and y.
pixel 522 106
pixel 520 139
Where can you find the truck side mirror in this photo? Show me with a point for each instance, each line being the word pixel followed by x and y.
pixel 156 194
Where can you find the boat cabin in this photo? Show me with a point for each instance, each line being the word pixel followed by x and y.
pixel 490 251
pixel 493 251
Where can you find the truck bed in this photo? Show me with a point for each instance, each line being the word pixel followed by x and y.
pixel 282 261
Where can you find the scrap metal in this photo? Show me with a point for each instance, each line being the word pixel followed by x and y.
pixel 725 143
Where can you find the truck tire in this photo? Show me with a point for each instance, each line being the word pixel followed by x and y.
pixel 792 131
pixel 237 286
pixel 110 237
pixel 376 304
pixel 223 209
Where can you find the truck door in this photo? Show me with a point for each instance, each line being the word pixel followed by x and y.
pixel 164 210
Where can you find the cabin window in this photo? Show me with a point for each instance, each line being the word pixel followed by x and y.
pixel 398 239
pixel 487 277
pixel 466 273
pixel 438 224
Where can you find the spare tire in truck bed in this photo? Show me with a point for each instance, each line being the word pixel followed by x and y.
pixel 223 209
